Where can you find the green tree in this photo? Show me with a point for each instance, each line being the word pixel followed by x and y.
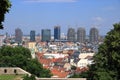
pixel 4 8
pixel 21 57
pixel 73 68
pixel 107 60
pixel 83 75
pixel 32 77
pixel 37 69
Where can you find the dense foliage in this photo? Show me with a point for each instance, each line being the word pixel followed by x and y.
pixel 4 7
pixel 107 60
pixel 21 57
pixel 32 77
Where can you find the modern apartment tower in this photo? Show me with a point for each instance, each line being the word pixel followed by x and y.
pixel 57 33
pixel 81 34
pixel 32 35
pixel 46 35
pixel 94 35
pixel 18 35
pixel 71 34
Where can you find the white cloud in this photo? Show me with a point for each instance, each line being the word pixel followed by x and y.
pixel 46 1
pixel 98 19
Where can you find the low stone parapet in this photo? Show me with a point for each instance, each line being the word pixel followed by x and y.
pixel 12 70
pixel 61 79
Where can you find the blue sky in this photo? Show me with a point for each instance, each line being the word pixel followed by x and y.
pixel 45 14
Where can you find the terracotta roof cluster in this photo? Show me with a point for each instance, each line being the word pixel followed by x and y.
pixel 42 60
pixel 58 60
pixel 45 62
pixel 59 72
pixel 56 66
pixel 39 55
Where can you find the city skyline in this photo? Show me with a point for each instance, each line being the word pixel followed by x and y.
pixel 45 14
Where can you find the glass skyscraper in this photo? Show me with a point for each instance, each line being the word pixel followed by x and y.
pixel 57 33
pixel 32 35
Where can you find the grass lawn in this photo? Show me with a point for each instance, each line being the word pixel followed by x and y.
pixel 11 77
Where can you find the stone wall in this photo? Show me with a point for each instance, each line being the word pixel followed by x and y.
pixel 62 79
pixel 12 70
pixel 17 70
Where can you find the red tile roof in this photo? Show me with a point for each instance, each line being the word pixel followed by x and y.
pixel 59 60
pixel 79 70
pixel 39 55
pixel 55 70
pixel 59 72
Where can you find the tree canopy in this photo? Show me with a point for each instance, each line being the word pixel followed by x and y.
pixel 21 57
pixel 4 8
pixel 107 60
pixel 32 77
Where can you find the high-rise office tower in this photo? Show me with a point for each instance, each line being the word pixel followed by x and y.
pixel 81 34
pixel 18 35
pixel 71 34
pixel 32 35
pixel 46 35
pixel 94 34
pixel 57 33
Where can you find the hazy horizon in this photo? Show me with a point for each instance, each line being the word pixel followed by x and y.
pixel 45 14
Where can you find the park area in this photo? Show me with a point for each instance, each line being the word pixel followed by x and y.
pixel 11 77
